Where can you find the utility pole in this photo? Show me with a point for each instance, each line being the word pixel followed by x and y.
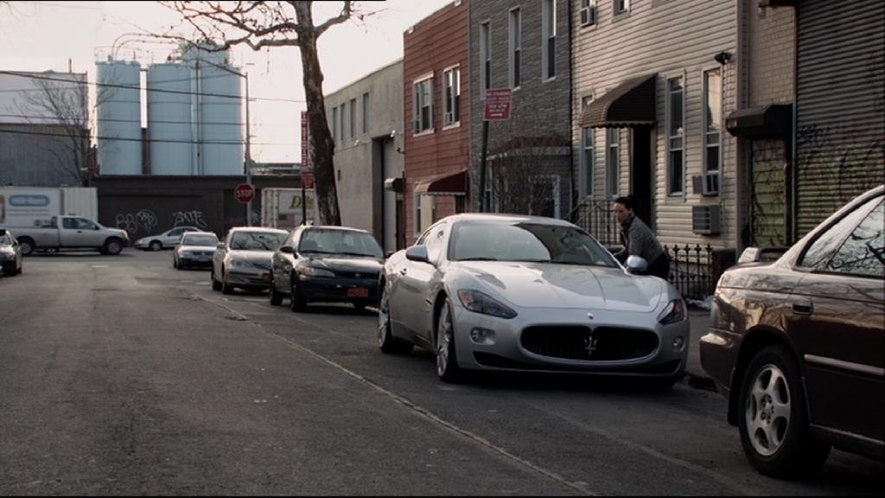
pixel 247 162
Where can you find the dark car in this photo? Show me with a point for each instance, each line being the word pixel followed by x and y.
pixel 10 253
pixel 326 264
pixel 798 345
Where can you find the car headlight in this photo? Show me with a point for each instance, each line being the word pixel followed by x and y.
pixel 240 263
pixel 310 271
pixel 480 302
pixel 674 312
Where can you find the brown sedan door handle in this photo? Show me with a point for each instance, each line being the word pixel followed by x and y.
pixel 802 308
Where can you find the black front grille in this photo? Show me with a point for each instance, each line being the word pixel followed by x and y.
pixel 360 275
pixel 583 343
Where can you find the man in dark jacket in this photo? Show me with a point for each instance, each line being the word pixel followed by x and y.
pixel 638 240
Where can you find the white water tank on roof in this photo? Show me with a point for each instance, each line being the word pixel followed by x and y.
pixel 169 109
pixel 118 115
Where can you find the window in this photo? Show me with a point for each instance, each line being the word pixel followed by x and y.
pixel 588 153
pixel 423 108
pixel 588 12
pixel 612 161
pixel 335 135
pixel 548 50
pixel 675 135
pixel 433 241
pixel 515 47
pixel 365 113
pixel 620 6
pixel 452 82
pixel 425 211
pixel 712 119
pixel 352 118
pixel 864 243
pixel 485 57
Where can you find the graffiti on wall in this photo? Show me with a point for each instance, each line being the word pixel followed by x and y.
pixel 146 221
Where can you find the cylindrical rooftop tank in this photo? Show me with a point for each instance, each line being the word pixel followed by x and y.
pixel 118 110
pixel 221 120
pixel 169 96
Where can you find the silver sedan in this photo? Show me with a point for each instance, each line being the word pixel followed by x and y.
pixel 243 259
pixel 490 292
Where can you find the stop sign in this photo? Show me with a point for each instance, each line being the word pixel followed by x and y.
pixel 244 192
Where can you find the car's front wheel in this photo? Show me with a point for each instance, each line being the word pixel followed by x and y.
pixel 773 421
pixel 386 342
pixel 446 360
pixel 155 245
pixel 276 298
pixel 216 285
pixel 298 301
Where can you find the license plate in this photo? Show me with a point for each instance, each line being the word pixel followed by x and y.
pixel 357 292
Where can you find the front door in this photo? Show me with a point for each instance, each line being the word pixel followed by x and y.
pixel 641 179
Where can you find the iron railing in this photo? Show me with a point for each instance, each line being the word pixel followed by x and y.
pixel 691 267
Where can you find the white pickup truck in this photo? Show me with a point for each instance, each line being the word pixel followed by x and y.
pixel 71 232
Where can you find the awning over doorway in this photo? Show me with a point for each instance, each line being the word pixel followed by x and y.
pixel 448 184
pixel 770 121
pixel 631 103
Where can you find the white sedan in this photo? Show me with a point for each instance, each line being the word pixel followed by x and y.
pixel 165 240
pixel 489 292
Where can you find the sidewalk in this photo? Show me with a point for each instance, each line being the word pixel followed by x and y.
pixel 695 375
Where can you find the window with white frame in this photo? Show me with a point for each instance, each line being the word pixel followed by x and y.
pixel 423 107
pixel 712 119
pixel 612 161
pixel 620 6
pixel 452 83
pixel 425 212
pixel 548 39
pixel 588 12
pixel 352 118
pixel 335 118
pixel 515 47
pixel 675 135
pixel 485 58
pixel 588 153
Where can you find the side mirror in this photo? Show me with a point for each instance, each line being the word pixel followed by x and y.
pixel 220 245
pixel 417 253
pixel 637 265
pixel 287 249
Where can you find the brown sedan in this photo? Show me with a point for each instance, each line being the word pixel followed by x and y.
pixel 798 345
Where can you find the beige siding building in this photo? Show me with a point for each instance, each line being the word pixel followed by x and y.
pixel 653 81
pixel 366 121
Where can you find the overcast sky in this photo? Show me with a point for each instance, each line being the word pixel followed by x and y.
pixel 42 36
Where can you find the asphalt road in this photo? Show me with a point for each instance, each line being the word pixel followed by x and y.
pixel 122 376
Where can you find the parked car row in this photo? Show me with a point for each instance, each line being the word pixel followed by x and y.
pixel 796 344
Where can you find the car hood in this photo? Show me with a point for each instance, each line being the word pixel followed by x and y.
pixel 347 263
pixel 546 285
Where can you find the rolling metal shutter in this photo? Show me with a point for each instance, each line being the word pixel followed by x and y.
pixel 840 105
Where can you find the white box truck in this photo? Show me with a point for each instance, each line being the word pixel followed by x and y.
pixel 281 207
pixel 35 206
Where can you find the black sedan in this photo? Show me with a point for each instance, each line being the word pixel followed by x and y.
pixel 328 264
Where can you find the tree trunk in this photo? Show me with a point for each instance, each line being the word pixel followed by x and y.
pixel 322 147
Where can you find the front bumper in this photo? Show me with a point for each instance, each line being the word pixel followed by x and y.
pixel 567 341
pixel 339 290
pixel 252 279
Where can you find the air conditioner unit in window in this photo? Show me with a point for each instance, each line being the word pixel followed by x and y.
pixel 449 117
pixel 705 219
pixel 588 15
pixel 706 184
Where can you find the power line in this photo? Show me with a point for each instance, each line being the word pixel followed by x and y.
pixel 149 90
pixel 47 119
pixel 146 140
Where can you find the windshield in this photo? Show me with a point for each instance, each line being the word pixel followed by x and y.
pixel 530 242
pixel 257 241
pixel 345 242
pixel 199 240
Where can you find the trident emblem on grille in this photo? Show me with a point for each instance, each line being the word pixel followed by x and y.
pixel 590 344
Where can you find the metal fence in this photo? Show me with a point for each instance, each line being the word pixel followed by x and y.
pixel 691 267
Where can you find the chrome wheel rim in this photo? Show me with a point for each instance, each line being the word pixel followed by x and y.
pixel 767 411
pixel 443 341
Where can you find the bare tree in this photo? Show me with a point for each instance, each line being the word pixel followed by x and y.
pixel 280 24
pixel 60 105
